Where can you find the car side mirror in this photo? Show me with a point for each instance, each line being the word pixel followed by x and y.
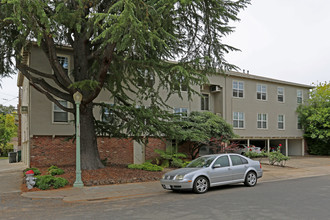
pixel 216 166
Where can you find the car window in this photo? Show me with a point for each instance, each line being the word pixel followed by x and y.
pixel 204 161
pixel 223 161
pixel 244 161
pixel 236 160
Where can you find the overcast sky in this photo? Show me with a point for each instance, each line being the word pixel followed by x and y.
pixel 282 39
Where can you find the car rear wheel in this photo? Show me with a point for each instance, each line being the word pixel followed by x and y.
pixel 201 185
pixel 251 179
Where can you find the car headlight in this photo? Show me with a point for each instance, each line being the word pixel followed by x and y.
pixel 179 177
pixel 163 177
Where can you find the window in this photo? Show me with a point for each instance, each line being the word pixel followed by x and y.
pixel 280 122
pixel 299 125
pixel 64 61
pixel 280 94
pixel 238 119
pixel 183 112
pixel 236 160
pixel 261 92
pixel 145 78
pixel 299 96
pixel 205 102
pixel 238 89
pixel 60 115
pixel 262 121
pixel 106 114
pixel 223 161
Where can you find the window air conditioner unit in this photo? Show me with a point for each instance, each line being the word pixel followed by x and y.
pixel 215 88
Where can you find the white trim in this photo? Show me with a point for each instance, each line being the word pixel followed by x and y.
pixel 281 129
pixel 232 89
pixel 68 115
pixel 279 94
pixel 261 85
pixel 263 121
pixel 238 120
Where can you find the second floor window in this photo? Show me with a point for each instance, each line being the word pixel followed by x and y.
pixel 261 92
pixel 106 114
pixel 238 119
pixel 299 96
pixel 60 115
pixel 262 121
pixel 145 78
pixel 280 122
pixel 64 61
pixel 238 89
pixel 280 94
pixel 205 102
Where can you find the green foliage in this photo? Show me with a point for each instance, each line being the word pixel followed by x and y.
pixel 47 181
pixel 278 158
pixel 145 166
pixel 44 182
pixel 119 46
pixel 59 182
pixel 35 170
pixel 168 159
pixel 251 154
pixel 203 128
pixel 54 170
pixel 315 119
pixel 8 130
pixel 7 109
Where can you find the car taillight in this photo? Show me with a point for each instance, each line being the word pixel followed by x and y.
pixel 260 165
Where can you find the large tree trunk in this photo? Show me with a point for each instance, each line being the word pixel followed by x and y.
pixel 90 158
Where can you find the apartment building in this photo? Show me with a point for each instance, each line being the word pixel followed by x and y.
pixel 262 111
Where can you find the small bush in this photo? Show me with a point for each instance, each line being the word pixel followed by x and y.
pixel 35 170
pixel 145 166
pixel 44 182
pixel 47 181
pixel 59 182
pixel 54 170
pixel 251 154
pixel 278 158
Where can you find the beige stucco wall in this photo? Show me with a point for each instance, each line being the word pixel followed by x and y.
pixel 40 108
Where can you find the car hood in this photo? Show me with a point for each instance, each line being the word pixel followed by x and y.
pixel 182 171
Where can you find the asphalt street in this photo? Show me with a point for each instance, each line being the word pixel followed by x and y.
pixel 304 198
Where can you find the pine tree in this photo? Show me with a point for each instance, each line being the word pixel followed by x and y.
pixel 121 46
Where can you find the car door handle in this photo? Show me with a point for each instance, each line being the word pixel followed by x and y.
pixel 229 168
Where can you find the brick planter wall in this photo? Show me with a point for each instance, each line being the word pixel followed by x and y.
pixel 48 150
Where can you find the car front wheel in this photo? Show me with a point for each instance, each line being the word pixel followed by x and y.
pixel 201 185
pixel 251 179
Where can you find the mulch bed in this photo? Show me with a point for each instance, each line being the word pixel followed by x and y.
pixel 112 174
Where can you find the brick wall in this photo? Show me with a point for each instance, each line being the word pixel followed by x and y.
pixel 48 150
pixel 154 143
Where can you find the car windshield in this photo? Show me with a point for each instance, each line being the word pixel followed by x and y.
pixel 201 162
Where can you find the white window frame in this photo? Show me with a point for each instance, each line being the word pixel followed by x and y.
pixel 204 102
pixel 101 112
pixel 262 121
pixel 60 111
pixel 278 94
pixel 181 111
pixel 68 57
pixel 236 86
pixel 261 92
pixel 239 119
pixel 299 96
pixel 283 122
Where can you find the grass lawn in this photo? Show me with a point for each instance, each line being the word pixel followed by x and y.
pixel 3 158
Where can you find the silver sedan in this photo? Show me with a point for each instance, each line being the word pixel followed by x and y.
pixel 213 170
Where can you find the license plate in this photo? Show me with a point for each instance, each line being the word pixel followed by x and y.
pixel 167 187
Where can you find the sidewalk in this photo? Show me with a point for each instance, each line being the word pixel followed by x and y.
pixel 297 167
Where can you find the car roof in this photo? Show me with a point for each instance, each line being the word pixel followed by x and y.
pixel 220 154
